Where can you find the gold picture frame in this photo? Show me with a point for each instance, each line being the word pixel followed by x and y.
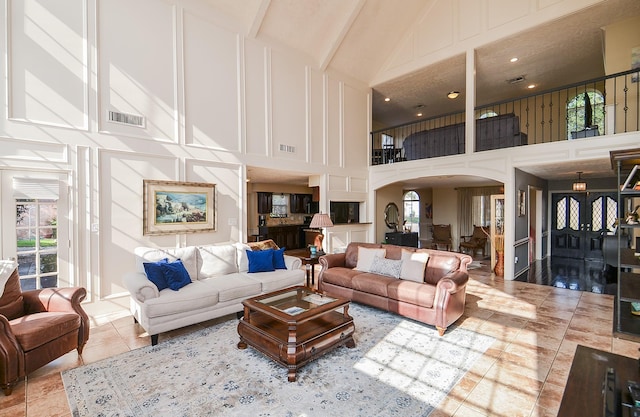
pixel 174 207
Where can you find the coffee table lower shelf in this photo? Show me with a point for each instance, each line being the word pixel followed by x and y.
pixel 294 345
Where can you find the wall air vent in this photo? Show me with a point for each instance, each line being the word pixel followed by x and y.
pixel 287 148
pixel 516 80
pixel 126 119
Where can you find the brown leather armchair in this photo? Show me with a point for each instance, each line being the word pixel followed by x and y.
pixel 37 327
pixel 478 240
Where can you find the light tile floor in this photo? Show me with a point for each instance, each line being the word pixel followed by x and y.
pixel 524 373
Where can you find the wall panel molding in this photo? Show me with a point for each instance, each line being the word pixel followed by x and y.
pixel 47 62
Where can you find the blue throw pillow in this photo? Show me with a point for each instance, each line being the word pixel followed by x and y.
pixel 260 260
pixel 278 259
pixel 176 275
pixel 155 273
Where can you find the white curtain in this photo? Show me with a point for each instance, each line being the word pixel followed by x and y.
pixel 468 206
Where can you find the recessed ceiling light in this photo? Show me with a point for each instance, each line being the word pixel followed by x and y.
pixel 530 86
pixel 419 114
pixel 514 59
pixel 387 99
pixel 453 94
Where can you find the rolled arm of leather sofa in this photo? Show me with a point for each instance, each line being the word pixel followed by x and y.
pixel 449 299
pixel 332 260
pixel 140 287
pixel 452 282
pixel 55 299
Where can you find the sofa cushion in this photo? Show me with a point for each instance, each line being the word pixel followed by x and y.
pixel 413 264
pixel 412 292
pixel 260 261
pixel 216 260
pixel 263 245
pixel 194 296
pixel 351 253
pixel 176 275
pixel 278 279
pixel 34 330
pixel 387 267
pixel 188 255
pixel 340 276
pixel 11 303
pixel 234 286
pixel 371 283
pixel 365 257
pixel 155 273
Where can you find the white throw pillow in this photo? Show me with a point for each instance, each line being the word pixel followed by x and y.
pixel 388 267
pixel 217 260
pixel 413 264
pixel 243 260
pixel 365 257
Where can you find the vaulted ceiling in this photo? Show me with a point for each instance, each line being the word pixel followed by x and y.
pixel 357 37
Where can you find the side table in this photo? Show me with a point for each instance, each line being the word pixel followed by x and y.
pixel 309 262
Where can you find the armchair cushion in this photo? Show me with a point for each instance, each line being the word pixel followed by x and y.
pixel 34 330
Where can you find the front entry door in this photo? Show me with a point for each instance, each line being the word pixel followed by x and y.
pixel 577 222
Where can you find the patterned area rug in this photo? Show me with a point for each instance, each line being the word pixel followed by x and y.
pixel 399 367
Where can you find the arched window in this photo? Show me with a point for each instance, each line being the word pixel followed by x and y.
pixel 585 111
pixel 411 219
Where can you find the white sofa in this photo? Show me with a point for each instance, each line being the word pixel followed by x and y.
pixel 220 281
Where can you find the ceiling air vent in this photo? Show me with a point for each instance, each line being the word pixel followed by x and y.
pixel 516 80
pixel 287 148
pixel 126 119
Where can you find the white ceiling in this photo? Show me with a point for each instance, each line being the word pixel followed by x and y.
pixel 356 37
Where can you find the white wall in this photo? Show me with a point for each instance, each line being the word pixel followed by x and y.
pixel 214 101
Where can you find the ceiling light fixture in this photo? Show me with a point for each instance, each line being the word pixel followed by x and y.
pixel 453 94
pixel 514 59
pixel 579 185
pixel 387 99
pixel 530 86
pixel 419 114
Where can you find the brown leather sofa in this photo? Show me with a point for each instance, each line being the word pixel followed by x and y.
pixel 37 327
pixel 439 300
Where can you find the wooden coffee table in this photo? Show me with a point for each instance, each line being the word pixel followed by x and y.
pixel 295 325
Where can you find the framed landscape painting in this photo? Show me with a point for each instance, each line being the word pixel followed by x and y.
pixel 172 207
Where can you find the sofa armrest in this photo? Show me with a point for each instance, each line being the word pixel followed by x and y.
pixel 332 260
pixel 140 287
pixel 54 299
pixel 453 282
pixel 292 262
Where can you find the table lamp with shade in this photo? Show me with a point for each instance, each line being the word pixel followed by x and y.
pixel 320 221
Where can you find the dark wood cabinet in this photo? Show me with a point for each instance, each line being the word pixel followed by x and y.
pixel 264 202
pixel 402 239
pixel 298 202
pixel 286 236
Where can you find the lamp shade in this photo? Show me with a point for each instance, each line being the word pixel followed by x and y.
pixel 321 220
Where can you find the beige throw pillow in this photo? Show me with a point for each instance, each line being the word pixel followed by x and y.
pixel 365 257
pixel 413 264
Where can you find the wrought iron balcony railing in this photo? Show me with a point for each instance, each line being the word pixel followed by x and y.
pixel 601 106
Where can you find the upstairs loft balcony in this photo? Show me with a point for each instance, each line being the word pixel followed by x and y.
pixel 602 106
